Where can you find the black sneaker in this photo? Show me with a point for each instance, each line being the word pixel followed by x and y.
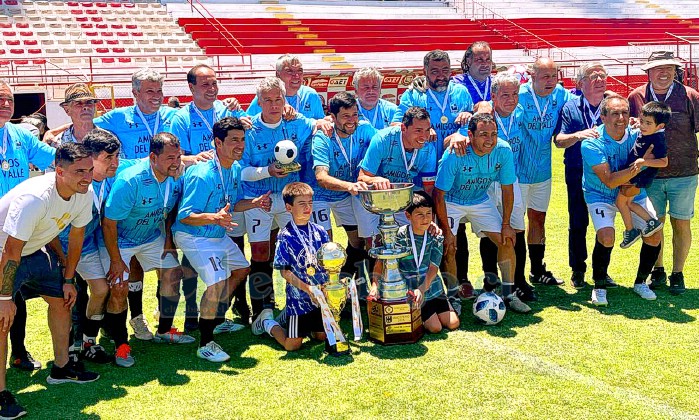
pixel 69 373
pixel 96 354
pixel 611 284
pixel 9 409
pixel 191 324
pixel 677 284
pixel 658 278
pixel 525 293
pixel 25 362
pixel 546 277
pixel 577 280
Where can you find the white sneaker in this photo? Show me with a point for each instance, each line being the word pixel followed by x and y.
pixel 140 328
pixel 258 326
pixel 599 297
pixel 213 353
pixel 173 336
pixel 644 291
pixel 515 304
pixel 227 326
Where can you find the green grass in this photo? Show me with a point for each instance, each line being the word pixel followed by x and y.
pixel 567 359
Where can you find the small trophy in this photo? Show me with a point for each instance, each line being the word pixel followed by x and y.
pixel 285 152
pixel 331 256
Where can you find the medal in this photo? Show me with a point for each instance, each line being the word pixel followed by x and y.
pixel 443 105
pixel 310 271
pixel 5 165
pixel 444 119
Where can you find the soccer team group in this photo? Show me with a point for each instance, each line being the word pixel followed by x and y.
pixel 123 192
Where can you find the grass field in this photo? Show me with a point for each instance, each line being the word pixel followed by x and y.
pixel 566 359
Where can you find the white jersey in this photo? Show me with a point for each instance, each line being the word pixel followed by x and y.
pixel 33 212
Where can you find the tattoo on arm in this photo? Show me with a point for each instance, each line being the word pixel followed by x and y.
pixel 8 277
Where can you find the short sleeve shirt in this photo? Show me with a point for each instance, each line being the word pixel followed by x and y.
pixel 23 148
pixel 306 101
pixel 415 276
pixel 195 134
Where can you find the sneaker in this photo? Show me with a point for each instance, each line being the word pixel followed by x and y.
pixel 630 238
pixel 258 326
pixel 652 226
pixel 69 373
pixel 611 284
pixel 95 353
pixel 9 408
pixel 26 362
pixel 546 278
pixel 516 305
pixel 455 303
pixel 577 280
pixel 677 284
pixel 283 320
pixel 658 278
pixel 525 292
pixel 140 328
pixel 466 290
pixel 599 297
pixel 227 326
pixel 173 337
pixel 644 291
pixel 191 324
pixel 213 353
pixel 122 357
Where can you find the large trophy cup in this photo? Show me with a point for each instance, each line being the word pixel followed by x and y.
pixel 331 256
pixel 392 317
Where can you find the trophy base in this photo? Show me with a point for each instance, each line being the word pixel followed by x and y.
pixel 339 349
pixel 394 322
pixel 288 168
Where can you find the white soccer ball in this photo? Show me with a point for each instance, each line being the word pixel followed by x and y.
pixel 489 308
pixel 285 151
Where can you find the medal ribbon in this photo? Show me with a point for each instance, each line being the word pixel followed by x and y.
pixel 667 95
pixel 5 142
pixel 376 113
pixel 307 244
pixel 405 160
pixel 356 312
pixel 201 116
pixel 536 103
pixel 160 193
pixel 342 148
pixel 333 333
pixel 594 116
pixel 483 94
pixel 224 185
pixel 97 200
pixel 421 257
pixel 157 121
pixel 442 106
pixel 502 126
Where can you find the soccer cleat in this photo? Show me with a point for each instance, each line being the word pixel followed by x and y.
pixel 630 238
pixel 258 326
pixel 191 324
pixel 677 284
pixel 69 373
pixel 658 278
pixel 610 283
pixel 516 305
pixel 227 326
pixel 173 337
pixel 652 226
pixel 644 291
pixel 599 297
pixel 9 408
pixel 577 280
pixel 140 328
pixel 525 292
pixel 95 353
pixel 455 303
pixel 213 353
pixel 546 278
pixel 122 356
pixel 26 362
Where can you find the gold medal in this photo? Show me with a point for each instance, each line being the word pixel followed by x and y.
pixel 5 165
pixel 444 119
pixel 310 271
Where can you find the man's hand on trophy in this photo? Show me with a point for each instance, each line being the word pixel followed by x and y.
pixel 381 183
pixel 434 230
pixel 276 172
pixel 355 187
pixel 264 201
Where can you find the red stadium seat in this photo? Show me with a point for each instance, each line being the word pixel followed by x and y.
pixel 101 4
pixel 117 26
pixel 102 50
pixel 129 5
pixel 124 59
pixel 76 12
pixel 34 51
pixel 26 33
pixel 118 50
pixel 21 25
pixel 92 11
pixel 11 2
pixel 12 42
pixel 5 25
pixel 21 62
pixel 91 33
pixel 107 34
pixel 107 60
pixel 115 4
pixel 9 33
pixel 122 34
pixel 131 26
pixel 138 34
pixel 97 19
pixel 73 4
pixel 87 25
pixel 38 62
pixel 16 51
pixel 113 42
pixel 30 42
pixel 86 4
pixel 101 26
pixel 81 19
pixel 96 41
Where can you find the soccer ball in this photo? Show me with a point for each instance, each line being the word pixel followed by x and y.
pixel 489 308
pixel 285 151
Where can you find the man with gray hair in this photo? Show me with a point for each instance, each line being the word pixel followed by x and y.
pixel 372 109
pixel 580 118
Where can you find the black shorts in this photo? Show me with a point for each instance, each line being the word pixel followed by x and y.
pixel 437 305
pixel 301 326
pixel 642 180
pixel 38 274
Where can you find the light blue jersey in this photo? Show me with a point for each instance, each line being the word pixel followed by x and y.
pixel 133 132
pixel 510 129
pixel 539 127
pixel 459 100
pixel 605 150
pixel 139 203
pixel 204 193
pixel 23 148
pixel 260 140
pixel 327 152
pixel 466 179
pixel 381 116
pixel 385 158
pixel 306 101
pixel 196 134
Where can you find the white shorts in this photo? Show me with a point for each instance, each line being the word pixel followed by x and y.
pixel 149 255
pixel 237 231
pixel 484 217
pixel 259 223
pixel 368 223
pixel 90 267
pixel 214 259
pixel 343 210
pixel 536 196
pixel 603 214
pixel 518 210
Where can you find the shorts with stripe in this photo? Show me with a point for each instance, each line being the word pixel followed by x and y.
pixel 300 326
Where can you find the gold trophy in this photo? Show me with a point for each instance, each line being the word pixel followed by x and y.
pixel 331 256
pixel 285 153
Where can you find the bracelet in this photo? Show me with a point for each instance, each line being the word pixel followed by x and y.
pixel 69 281
pixel 5 298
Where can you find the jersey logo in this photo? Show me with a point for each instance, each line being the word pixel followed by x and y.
pixel 389 159
pixel 146 201
pixel 197 124
pixel 453 108
pixel 133 124
pixel 61 221
pixel 262 146
pixel 336 154
pixel 498 166
pixel 468 169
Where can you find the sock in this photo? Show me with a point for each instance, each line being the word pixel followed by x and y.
pixel 115 324
pixel 536 259
pixel 79 311
pixel 520 258
pixel 136 298
pixel 601 256
pixel 489 256
pixel 261 286
pixel 189 290
pixel 92 327
pixel 168 308
pixel 268 324
pixel 18 330
pixel 462 258
pixel 206 329
pixel 269 302
pixel 507 288
pixel 645 264
pixel 659 269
